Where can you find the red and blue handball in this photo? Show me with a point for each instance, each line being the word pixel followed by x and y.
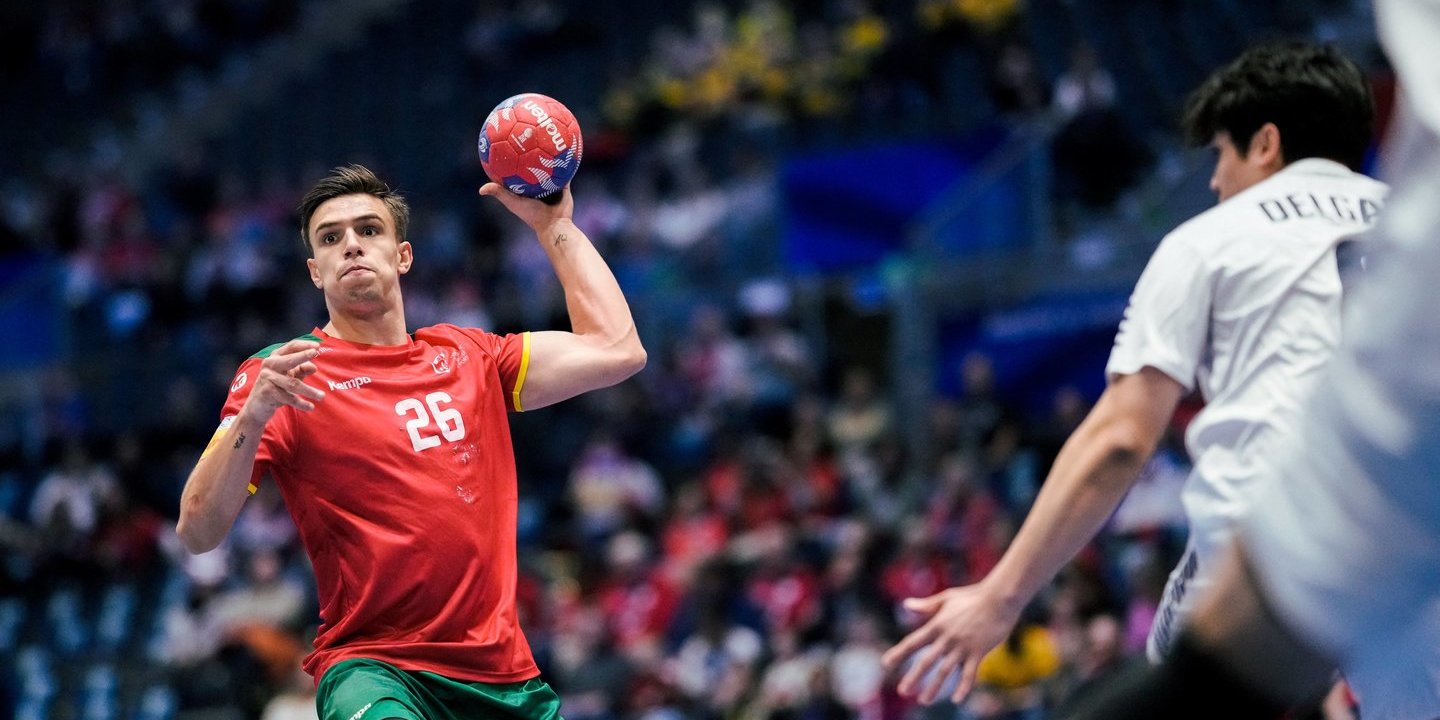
pixel 531 144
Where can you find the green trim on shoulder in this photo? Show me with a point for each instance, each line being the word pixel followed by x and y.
pixel 265 352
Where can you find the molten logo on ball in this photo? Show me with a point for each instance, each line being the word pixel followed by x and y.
pixel 547 123
pixel 511 155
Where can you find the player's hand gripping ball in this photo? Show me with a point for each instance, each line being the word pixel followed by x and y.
pixel 531 145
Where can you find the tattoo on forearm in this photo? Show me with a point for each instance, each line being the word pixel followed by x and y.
pixel 239 441
pixel 560 238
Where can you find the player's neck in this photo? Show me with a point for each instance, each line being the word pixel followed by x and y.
pixel 383 329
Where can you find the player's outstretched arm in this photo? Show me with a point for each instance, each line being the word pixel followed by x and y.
pixel 603 347
pixel 218 486
pixel 1094 469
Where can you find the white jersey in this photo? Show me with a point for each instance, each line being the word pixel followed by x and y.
pixel 1346 539
pixel 1243 302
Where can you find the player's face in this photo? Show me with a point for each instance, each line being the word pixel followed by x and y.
pixel 1234 173
pixel 358 259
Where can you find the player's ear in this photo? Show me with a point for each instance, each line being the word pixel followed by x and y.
pixel 406 257
pixel 1266 148
pixel 314 273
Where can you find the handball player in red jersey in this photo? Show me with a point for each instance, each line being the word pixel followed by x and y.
pixel 392 451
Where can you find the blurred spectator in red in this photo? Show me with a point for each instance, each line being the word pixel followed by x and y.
pixel 694 532
pixel 126 543
pixel 724 478
pixel 785 589
pixel 960 509
pixel 920 569
pixel 819 495
pixel 981 558
pixel 637 600
pixel 765 484
pixel 651 696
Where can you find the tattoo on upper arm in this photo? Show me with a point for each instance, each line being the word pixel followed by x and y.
pixel 239 441
pixel 560 238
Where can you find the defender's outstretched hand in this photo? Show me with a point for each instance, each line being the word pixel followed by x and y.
pixel 538 215
pixel 961 625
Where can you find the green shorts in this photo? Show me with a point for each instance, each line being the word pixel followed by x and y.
pixel 372 690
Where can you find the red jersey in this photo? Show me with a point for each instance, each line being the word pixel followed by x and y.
pixel 402 485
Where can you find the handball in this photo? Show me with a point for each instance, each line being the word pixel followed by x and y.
pixel 531 145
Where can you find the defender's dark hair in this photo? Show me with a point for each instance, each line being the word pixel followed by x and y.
pixel 1316 96
pixel 353 180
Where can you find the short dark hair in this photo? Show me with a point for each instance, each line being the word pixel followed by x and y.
pixel 353 179
pixel 1315 95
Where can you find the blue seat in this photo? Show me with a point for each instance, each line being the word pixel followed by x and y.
pixel 69 633
pixel 98 696
pixel 12 618
pixel 117 617
pixel 158 702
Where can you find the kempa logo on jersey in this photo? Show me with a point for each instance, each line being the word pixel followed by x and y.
pixel 350 384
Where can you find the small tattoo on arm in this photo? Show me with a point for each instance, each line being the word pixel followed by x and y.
pixel 239 441
pixel 560 238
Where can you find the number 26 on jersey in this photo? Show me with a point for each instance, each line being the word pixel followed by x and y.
pixel 447 420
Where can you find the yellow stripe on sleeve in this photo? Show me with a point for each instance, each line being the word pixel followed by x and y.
pixel 214 440
pixel 520 376
pixel 251 487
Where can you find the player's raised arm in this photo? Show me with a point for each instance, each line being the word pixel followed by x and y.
pixel 218 486
pixel 603 347
pixel 1094 469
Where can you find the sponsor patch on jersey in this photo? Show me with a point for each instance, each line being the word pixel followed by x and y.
pixel 350 384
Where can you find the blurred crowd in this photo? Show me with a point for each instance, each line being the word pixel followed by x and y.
pixel 83 66
pixel 775 77
pixel 730 534
pixel 844 69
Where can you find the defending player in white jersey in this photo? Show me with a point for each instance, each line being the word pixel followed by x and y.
pixel 1241 302
pixel 1339 560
